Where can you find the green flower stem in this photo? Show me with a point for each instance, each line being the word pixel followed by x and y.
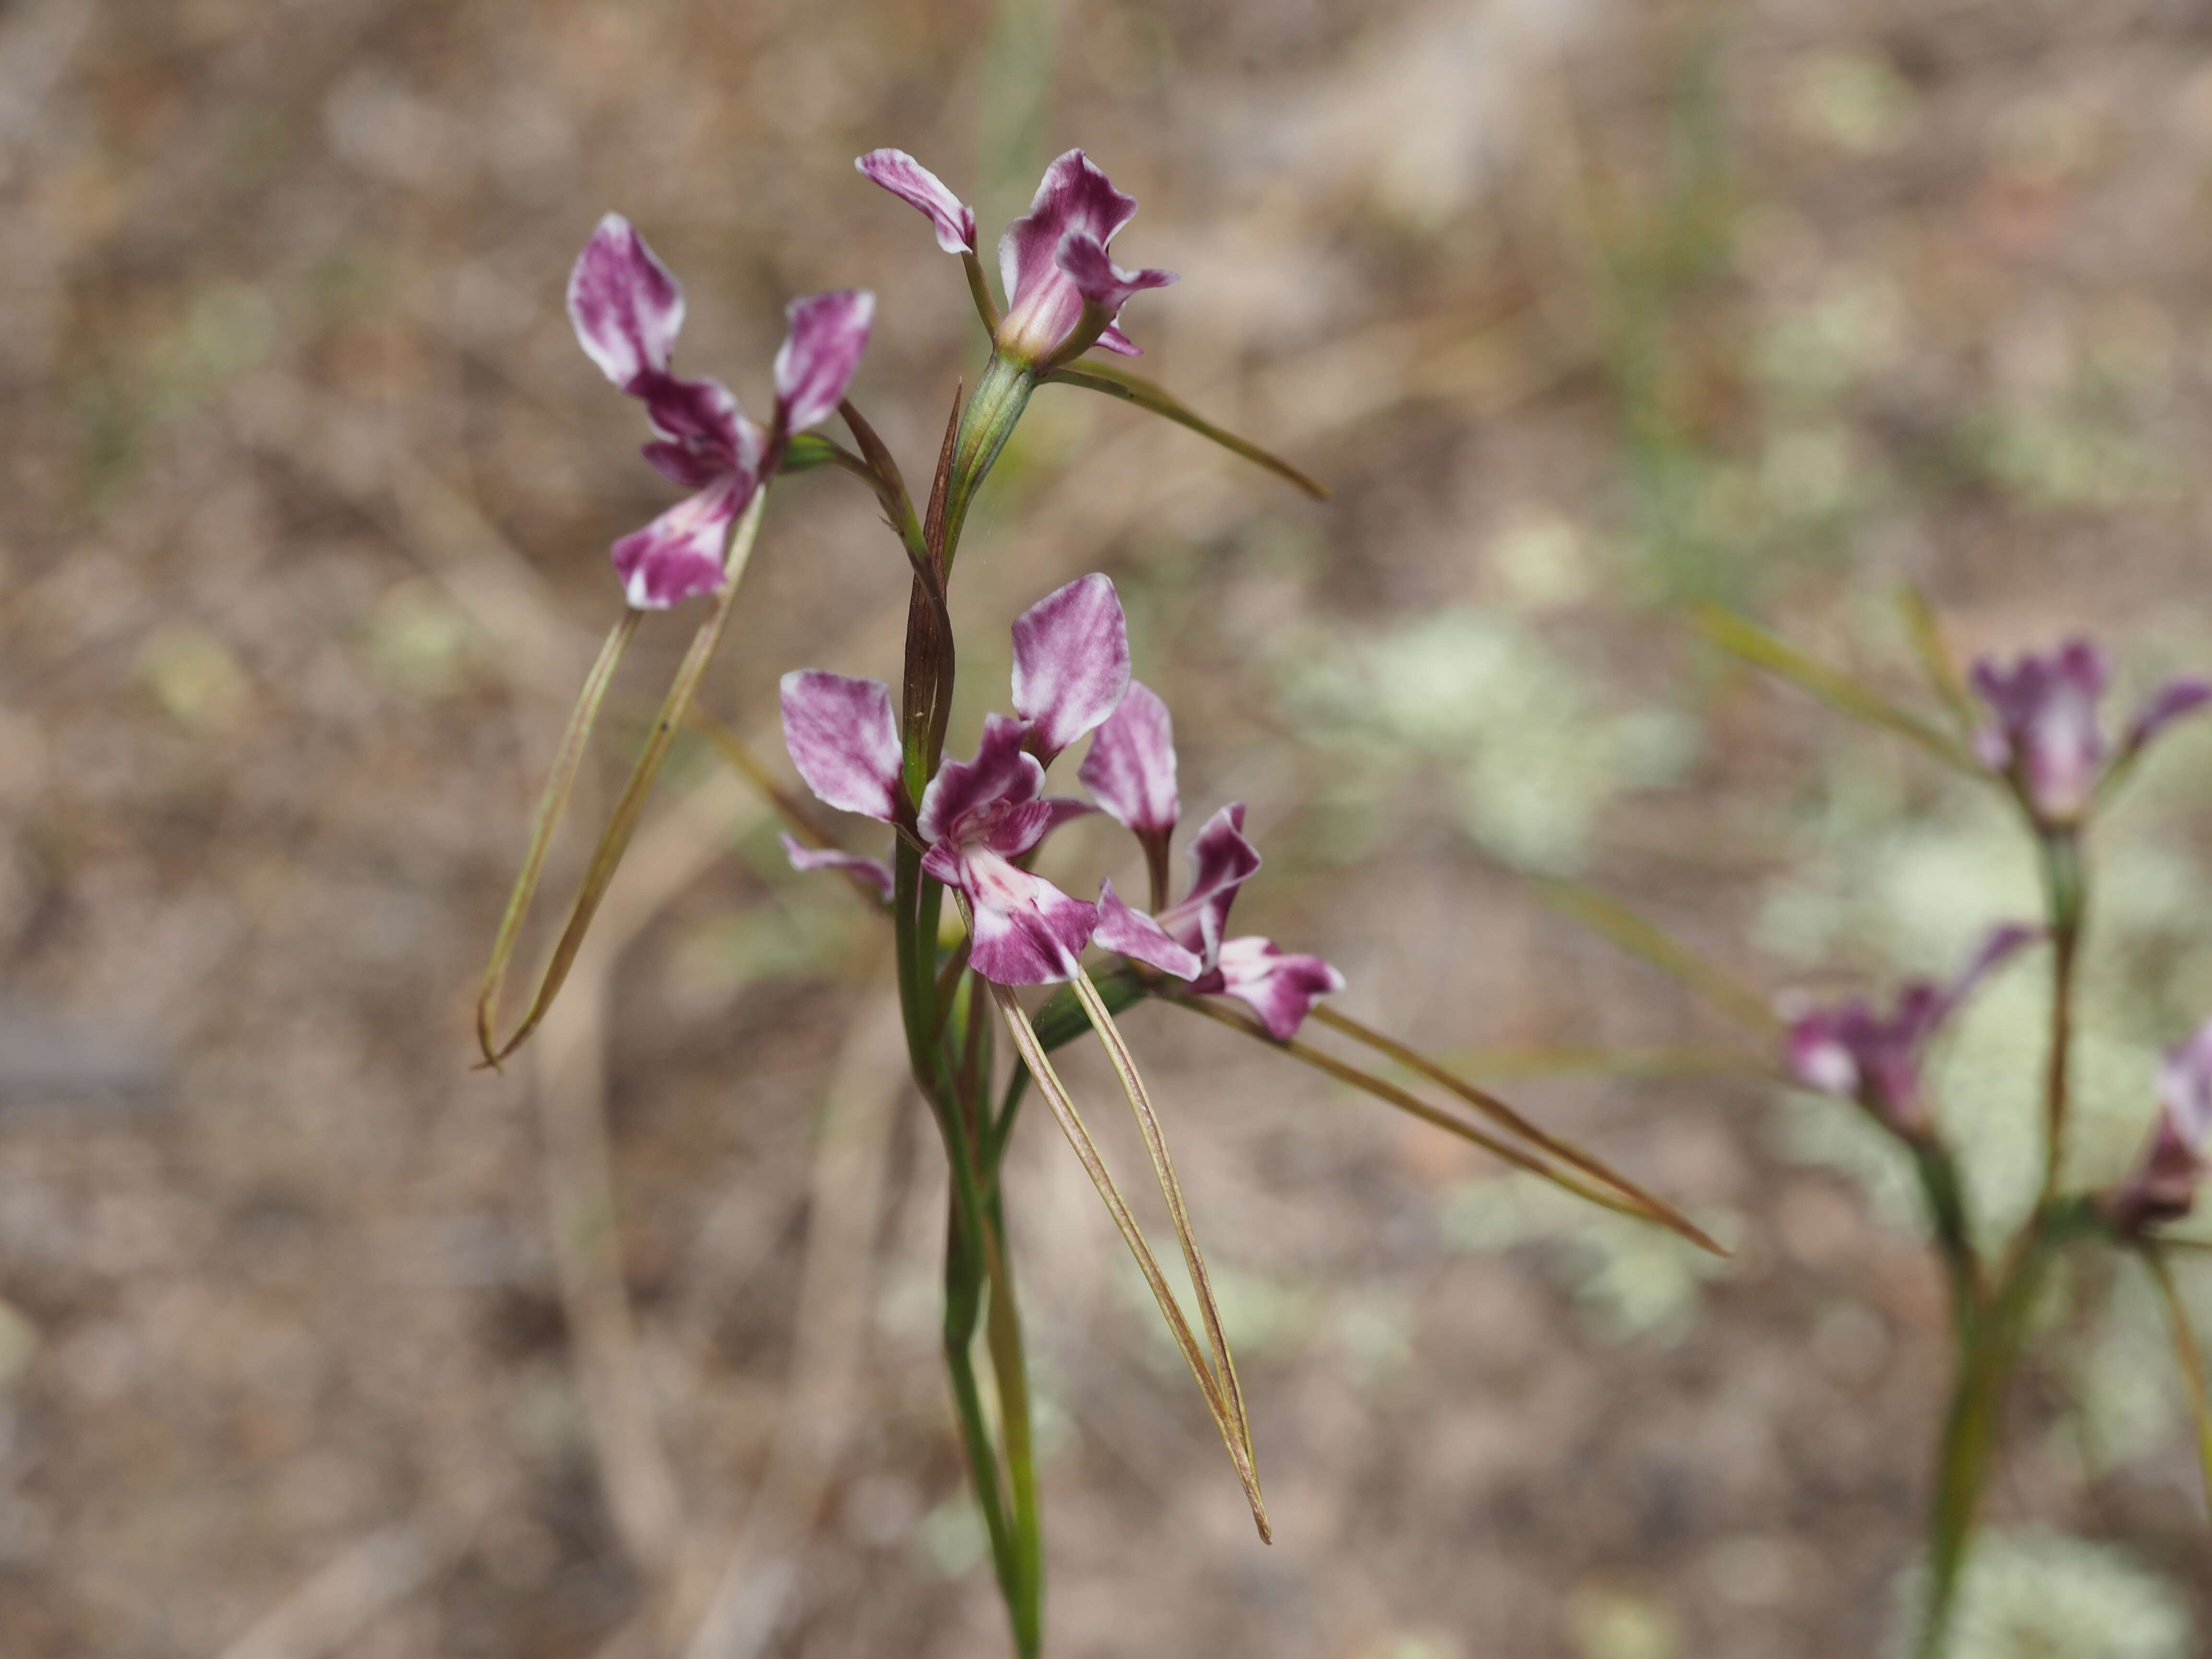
pixel 1970 1431
pixel 1953 1231
pixel 2066 889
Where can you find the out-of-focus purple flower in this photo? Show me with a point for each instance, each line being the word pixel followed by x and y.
pixel 1853 1052
pixel 2044 730
pixel 627 308
pixel 979 816
pixel 815 362
pixel 1063 292
pixel 2164 1185
pixel 1131 772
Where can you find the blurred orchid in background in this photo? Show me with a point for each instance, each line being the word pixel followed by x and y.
pixel 1063 292
pixel 1855 1054
pixel 2164 1185
pixel 627 308
pixel 2042 730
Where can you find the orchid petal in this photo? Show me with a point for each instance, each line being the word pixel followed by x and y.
pixel 1822 1055
pixel 679 554
pixel 875 871
pixel 1132 933
pixel 1130 769
pixel 1016 827
pixel 1071 661
pixel 916 185
pixel 2000 947
pixel 844 740
pixel 704 435
pixel 2164 1183
pixel 1113 339
pixel 1027 932
pixel 1222 861
pixel 1083 258
pixel 1278 986
pixel 625 305
pixel 816 360
pixel 1043 304
pixel 2175 700
pixel 963 790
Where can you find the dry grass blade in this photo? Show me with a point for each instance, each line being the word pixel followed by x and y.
pixel 1086 1152
pixel 1148 1124
pixel 608 855
pixel 2191 1358
pixel 1504 1116
pixel 1390 1094
pixel 1662 1061
pixel 1146 394
pixel 1739 638
pixel 1647 939
pixel 558 785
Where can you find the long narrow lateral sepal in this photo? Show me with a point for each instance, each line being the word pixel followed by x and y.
pixel 1117 382
pixel 1048 1081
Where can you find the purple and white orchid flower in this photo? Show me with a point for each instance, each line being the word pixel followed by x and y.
pixel 978 818
pixel 1131 773
pixel 2044 730
pixel 2164 1185
pixel 1063 292
pixel 627 309
pixel 1855 1054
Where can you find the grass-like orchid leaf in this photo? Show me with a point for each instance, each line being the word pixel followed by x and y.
pixel 1149 394
pixel 1936 661
pixel 1741 638
pixel 1641 937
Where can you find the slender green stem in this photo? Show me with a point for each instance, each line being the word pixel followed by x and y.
pixel 1954 1232
pixel 1970 1429
pixel 2191 1357
pixel 2066 891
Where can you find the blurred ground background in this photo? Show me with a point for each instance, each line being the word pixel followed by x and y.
pixel 1587 308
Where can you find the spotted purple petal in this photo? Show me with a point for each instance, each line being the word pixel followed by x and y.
pixel 1132 933
pixel 1222 861
pixel 875 871
pixel 916 185
pixel 1070 662
pixel 1027 932
pixel 679 554
pixel 844 741
pixel 1130 769
pixel 2175 700
pixel 816 362
pixel 1278 986
pixel 626 306
pixel 964 792
pixel 1041 304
